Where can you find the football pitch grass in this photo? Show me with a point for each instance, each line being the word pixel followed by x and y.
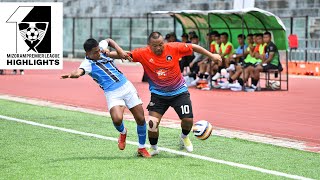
pixel 32 152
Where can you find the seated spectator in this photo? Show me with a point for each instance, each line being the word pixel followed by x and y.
pixel 238 56
pixel 215 44
pixel 185 38
pixel 191 34
pixel 226 50
pixel 186 60
pixel 197 66
pixel 270 60
pixel 247 66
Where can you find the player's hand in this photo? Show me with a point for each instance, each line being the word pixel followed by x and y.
pixel 65 76
pixel 105 51
pixel 124 55
pixel 216 57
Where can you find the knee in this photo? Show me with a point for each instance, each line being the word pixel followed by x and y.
pixel 187 121
pixel 153 124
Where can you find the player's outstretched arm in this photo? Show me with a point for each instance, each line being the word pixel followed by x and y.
pixel 74 74
pixel 121 54
pixel 201 50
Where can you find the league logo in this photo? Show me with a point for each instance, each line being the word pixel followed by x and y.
pixel 34 26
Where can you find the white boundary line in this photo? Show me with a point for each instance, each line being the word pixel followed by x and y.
pixel 243 166
pixel 175 124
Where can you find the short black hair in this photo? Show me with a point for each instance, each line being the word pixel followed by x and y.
pixel 154 35
pixel 250 35
pixel 185 35
pixel 267 33
pixel 89 44
pixel 224 34
pixel 259 35
pixel 217 35
pixel 195 36
pixel 212 33
pixel 242 36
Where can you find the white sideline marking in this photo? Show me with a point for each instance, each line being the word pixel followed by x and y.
pixel 243 166
pixel 175 124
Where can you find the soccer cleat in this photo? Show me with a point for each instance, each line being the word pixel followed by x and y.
pixel 187 144
pixel 153 152
pixel 122 140
pixel 216 76
pixel 252 88
pixel 143 152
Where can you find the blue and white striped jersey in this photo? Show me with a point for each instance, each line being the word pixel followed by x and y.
pixel 104 72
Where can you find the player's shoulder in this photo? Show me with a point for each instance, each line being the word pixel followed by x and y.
pixel 141 49
pixel 175 45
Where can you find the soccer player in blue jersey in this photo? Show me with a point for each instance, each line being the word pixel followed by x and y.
pixel 119 91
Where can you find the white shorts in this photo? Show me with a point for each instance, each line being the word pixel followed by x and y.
pixel 125 95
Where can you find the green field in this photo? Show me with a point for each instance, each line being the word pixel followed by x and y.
pixel 32 152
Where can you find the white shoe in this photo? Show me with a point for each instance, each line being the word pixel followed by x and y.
pixel 194 83
pixel 187 144
pixel 224 85
pixel 21 72
pixel 153 152
pixel 231 68
pixel 235 87
pixel 216 76
pixel 252 88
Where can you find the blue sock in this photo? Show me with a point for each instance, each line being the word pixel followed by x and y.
pixel 119 128
pixel 142 134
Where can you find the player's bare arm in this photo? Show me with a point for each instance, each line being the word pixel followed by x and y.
pixel 74 74
pixel 268 60
pixel 118 54
pixel 201 50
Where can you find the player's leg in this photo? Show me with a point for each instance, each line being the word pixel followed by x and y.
pixel 255 78
pixel 116 107
pixel 183 107
pixel 116 113
pixel 134 104
pixel 138 114
pixel 157 107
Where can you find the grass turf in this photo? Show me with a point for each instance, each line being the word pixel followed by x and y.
pixel 33 152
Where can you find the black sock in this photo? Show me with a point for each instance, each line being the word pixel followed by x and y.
pixel 185 132
pixel 206 76
pixel 230 80
pixel 153 141
pixel 254 82
pixel 240 81
pixel 193 75
pixel 201 75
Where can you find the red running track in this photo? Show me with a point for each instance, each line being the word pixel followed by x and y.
pixel 294 114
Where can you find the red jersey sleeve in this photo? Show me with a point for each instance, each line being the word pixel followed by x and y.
pixel 185 49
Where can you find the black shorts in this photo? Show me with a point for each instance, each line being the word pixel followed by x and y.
pixel 181 103
pixel 268 67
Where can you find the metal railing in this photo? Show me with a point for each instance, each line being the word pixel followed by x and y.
pixel 131 32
